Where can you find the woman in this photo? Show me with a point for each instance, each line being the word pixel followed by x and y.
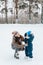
pixel 17 43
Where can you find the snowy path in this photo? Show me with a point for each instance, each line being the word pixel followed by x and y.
pixel 6 52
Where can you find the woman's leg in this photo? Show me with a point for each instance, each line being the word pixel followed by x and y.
pixel 16 53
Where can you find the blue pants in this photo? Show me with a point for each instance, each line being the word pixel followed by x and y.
pixel 28 51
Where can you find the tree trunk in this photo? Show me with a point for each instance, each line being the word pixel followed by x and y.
pixel 16 6
pixel 6 20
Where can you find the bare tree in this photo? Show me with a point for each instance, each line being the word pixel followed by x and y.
pixel 42 13
pixel 16 7
pixel 5 10
pixel 30 2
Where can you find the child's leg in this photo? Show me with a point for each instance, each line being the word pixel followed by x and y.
pixel 30 49
pixel 26 51
pixel 30 54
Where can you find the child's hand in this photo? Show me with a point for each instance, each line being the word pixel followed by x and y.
pixel 26 44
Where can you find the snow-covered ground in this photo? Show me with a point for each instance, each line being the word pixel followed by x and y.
pixel 6 52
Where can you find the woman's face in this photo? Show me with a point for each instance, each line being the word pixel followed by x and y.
pixel 18 35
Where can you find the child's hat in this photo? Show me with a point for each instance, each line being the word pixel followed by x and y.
pixel 28 33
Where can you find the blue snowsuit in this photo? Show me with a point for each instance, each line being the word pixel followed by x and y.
pixel 29 48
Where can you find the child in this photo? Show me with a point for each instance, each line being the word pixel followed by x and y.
pixel 28 44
